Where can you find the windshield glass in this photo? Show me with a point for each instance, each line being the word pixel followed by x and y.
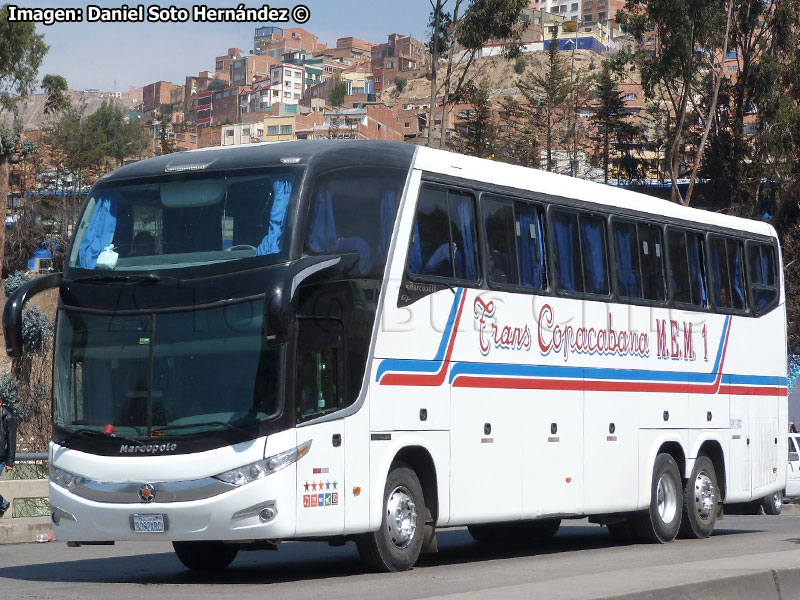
pixel 176 373
pixel 183 222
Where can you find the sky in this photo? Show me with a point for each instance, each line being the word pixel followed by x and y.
pixel 109 56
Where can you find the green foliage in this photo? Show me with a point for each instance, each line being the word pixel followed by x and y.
pixel 21 53
pixel 485 19
pixel 55 87
pixel 518 142
pixel 36 328
pixel 9 389
pixel 476 131
pixel 608 115
pixel 439 34
pixel 519 65
pixel 216 85
pixel 337 93
pixel 167 145
pixel 15 281
pixel 400 83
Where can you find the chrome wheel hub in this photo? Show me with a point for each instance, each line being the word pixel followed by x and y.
pixel 777 501
pixel 705 496
pixel 666 499
pixel 401 517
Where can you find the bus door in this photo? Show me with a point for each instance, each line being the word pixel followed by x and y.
pixel 319 390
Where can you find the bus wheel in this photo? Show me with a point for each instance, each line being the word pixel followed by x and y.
pixel 205 556
pixel 398 542
pixel 773 504
pixel 700 499
pixel 661 521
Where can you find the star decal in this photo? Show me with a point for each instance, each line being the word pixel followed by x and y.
pixel 306 486
pixel 334 485
pixel 313 485
pixel 327 485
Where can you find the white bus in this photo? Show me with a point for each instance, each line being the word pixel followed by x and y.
pixel 369 341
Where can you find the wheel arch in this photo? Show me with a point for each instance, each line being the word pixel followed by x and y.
pixel 419 459
pixel 713 450
pixel 675 450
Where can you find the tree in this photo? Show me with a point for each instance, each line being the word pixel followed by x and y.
pixel 400 83
pixel 476 131
pixel 167 145
pixel 518 141
pixel 21 53
pixel 57 100
pixel 216 85
pixel 482 20
pixel 688 38
pixel 337 93
pixel 550 90
pixel 609 113
pixel 119 138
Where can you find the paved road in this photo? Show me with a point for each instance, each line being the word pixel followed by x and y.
pixel 580 562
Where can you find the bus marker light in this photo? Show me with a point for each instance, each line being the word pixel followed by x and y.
pixel 109 429
pixel 356 491
pixel 569 479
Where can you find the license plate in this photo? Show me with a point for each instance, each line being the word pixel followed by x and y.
pixel 148 523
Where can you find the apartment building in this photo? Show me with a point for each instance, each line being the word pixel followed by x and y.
pixel 368 122
pixel 584 11
pixel 348 48
pixel 242 133
pixel 156 95
pixel 277 41
pixel 222 63
pixel 247 69
pixel 400 54
pixel 287 83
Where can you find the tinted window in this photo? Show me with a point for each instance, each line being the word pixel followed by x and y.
pixel 651 257
pixel 593 247
pixel 687 273
pixel 443 240
pixel 319 365
pixel 640 261
pixel 498 219
pixel 727 272
pixel 566 246
pixel 763 282
pixel 629 275
pixel 514 233
pixel 353 210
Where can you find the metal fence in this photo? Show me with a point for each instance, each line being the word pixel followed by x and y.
pixel 26 486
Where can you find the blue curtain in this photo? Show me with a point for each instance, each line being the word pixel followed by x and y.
pixel 388 211
pixel 626 278
pixel 465 228
pixel 99 233
pixel 281 192
pixel 696 270
pixel 530 271
pixel 593 253
pixel 322 232
pixel 563 235
pixel 415 256
pixel 658 265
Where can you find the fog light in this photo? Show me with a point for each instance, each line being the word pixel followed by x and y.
pixel 267 514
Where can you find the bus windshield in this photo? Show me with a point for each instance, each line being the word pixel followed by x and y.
pixel 174 223
pixel 175 373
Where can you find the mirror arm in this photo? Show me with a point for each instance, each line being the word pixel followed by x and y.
pixel 13 311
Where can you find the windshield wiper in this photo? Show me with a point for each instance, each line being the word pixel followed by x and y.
pixel 98 434
pixel 146 278
pixel 204 424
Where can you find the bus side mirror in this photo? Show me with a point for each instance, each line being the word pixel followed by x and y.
pixel 12 313
pixel 281 298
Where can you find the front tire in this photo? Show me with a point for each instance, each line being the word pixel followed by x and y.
pixel 700 498
pixel 773 504
pixel 662 520
pixel 398 542
pixel 205 556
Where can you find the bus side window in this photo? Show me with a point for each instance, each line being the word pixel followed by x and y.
pixel 687 272
pixel 593 248
pixel 566 243
pixel 498 221
pixel 529 226
pixel 629 274
pixel 443 242
pixel 726 265
pixel 651 258
pixel 761 269
pixel 318 373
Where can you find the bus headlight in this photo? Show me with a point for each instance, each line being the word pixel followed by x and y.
pixel 262 468
pixel 65 479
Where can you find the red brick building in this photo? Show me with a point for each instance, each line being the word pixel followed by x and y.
pixel 399 55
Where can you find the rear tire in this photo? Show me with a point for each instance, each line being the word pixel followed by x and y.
pixel 205 556
pixel 700 498
pixel 398 542
pixel 662 520
pixel 773 504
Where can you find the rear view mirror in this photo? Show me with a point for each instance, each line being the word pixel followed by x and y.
pixel 185 194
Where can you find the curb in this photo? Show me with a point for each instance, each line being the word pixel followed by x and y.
pixel 23 530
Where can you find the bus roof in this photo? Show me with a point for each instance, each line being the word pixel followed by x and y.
pixel 332 153
pixel 563 186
